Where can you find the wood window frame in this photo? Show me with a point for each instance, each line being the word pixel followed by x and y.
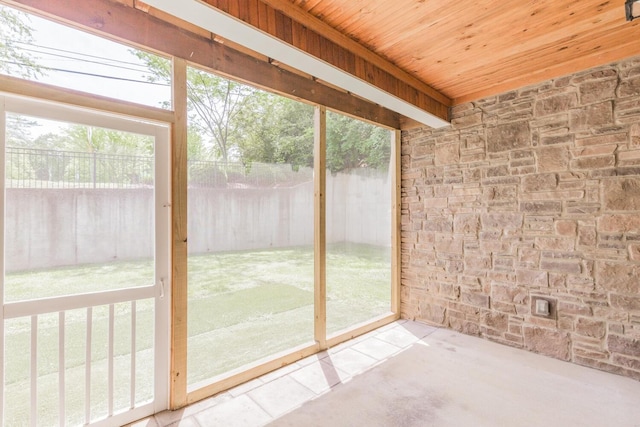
pixel 179 395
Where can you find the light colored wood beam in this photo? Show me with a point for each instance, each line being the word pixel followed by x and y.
pixel 315 24
pixel 178 361
pixel 81 99
pixel 141 29
pixel 319 218
pixel 395 172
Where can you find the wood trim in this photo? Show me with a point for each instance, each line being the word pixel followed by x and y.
pixel 247 373
pixel 395 172
pixel 314 24
pixel 319 226
pixel 315 44
pixel 136 27
pixel 179 297
pixel 362 328
pixel 82 99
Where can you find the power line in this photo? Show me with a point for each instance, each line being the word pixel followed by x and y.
pixel 85 74
pixel 141 69
pixel 70 51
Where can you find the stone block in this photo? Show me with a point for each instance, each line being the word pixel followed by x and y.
pixel 469 120
pixel 634 252
pixel 552 159
pixel 619 223
pixel 555 104
pixel 625 361
pixel 565 227
pixel 591 328
pixel 594 150
pixel 499 321
pixel 624 345
pixel 634 133
pixel 508 294
pixel 548 342
pixel 557 139
pixel 474 299
pixel 466 223
pixel 630 87
pixel 540 207
pixel 540 182
pixel 618 277
pixel 501 220
pixel 625 302
pixel 555 243
pixel 532 278
pixel 569 267
pixel 432 313
pixel 508 136
pixel 595 91
pixel 606 139
pixel 447 154
pixel 591 116
pixel 590 163
pixel 622 194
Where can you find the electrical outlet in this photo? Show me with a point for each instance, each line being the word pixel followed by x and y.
pixel 543 307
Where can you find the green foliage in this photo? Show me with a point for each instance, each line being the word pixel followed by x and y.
pixel 280 131
pixel 355 144
pixel 14 31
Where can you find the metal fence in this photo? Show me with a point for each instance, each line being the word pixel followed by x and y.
pixel 38 168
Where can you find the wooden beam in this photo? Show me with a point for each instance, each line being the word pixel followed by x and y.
pixel 319 219
pixel 249 372
pixel 311 22
pixel 133 26
pixel 178 362
pixel 81 99
pixel 316 44
pixel 395 172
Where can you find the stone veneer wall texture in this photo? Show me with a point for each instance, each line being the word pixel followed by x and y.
pixel 535 192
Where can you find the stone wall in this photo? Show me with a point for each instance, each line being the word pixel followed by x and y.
pixel 535 192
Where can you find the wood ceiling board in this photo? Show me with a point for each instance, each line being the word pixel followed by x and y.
pixel 466 47
pixel 136 27
pixel 518 57
pixel 343 40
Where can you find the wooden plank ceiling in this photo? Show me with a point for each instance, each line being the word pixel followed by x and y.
pixel 430 53
pixel 467 49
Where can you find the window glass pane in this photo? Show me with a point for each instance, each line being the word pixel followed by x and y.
pixel 37 49
pixel 250 225
pixel 79 209
pixel 358 222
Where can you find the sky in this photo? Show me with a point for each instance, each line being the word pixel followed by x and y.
pixel 77 60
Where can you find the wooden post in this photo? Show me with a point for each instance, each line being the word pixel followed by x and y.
pixel 178 380
pixel 319 169
pixel 395 172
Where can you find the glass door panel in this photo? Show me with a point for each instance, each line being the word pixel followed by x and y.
pixel 358 222
pixel 85 256
pixel 250 195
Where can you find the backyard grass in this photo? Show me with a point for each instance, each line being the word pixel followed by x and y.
pixel 243 306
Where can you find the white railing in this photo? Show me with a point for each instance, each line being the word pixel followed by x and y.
pixel 33 309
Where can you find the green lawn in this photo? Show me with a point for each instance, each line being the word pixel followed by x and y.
pixel 243 306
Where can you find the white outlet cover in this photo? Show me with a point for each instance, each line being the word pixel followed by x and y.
pixel 542 307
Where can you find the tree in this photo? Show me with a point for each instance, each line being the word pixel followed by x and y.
pixel 15 31
pixel 280 130
pixel 238 122
pixel 355 144
pixel 215 105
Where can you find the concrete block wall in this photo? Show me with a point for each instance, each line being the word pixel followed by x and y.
pixel 532 193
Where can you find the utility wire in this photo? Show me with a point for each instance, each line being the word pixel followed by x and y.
pixel 69 51
pixel 85 74
pixel 141 69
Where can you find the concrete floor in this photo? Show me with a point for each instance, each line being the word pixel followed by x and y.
pixel 410 374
